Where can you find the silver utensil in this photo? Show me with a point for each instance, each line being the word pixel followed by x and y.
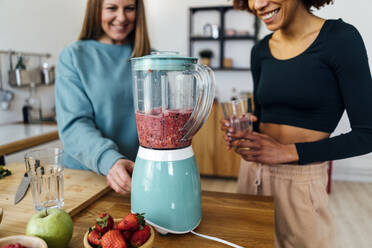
pixel 1 214
pixel 22 189
pixel 5 95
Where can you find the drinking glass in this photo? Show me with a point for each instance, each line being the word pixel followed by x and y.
pixel 45 169
pixel 238 113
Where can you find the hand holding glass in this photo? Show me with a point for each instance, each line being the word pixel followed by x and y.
pixel 237 112
pixel 45 169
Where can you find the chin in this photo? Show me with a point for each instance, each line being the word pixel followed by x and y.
pixel 119 38
pixel 273 27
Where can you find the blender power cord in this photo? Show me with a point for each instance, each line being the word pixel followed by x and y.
pixel 217 239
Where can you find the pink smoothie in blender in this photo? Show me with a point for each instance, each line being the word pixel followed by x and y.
pixel 162 130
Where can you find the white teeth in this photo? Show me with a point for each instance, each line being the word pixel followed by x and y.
pixel 118 27
pixel 270 15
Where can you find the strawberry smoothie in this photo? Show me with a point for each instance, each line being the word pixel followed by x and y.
pixel 162 130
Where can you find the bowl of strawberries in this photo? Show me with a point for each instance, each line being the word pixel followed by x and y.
pixel 22 241
pixel 128 232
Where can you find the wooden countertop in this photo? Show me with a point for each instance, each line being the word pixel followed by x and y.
pixel 81 188
pixel 245 220
pixel 17 137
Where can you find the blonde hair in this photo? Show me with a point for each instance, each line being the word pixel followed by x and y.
pixel 92 30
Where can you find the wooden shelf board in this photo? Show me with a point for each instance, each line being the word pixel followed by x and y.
pixel 242 37
pixel 231 69
pixel 201 38
pixel 226 7
pixel 239 37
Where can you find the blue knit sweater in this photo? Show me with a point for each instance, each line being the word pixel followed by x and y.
pixel 94 105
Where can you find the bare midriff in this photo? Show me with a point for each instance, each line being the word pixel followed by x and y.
pixel 286 134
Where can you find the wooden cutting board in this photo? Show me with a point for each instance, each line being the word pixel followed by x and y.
pixel 81 188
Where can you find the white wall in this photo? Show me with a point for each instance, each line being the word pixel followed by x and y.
pixel 43 26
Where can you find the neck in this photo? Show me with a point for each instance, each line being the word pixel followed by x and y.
pixel 107 40
pixel 302 23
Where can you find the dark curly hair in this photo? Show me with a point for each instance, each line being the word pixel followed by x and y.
pixel 243 4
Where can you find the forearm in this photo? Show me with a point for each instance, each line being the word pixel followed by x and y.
pixel 77 130
pixel 354 143
pixel 84 142
pixel 290 153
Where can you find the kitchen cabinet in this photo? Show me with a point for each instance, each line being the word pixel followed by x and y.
pixel 18 137
pixel 210 148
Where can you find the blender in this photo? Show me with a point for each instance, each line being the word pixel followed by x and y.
pixel 173 96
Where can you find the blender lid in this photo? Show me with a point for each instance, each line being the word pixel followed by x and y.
pixel 158 60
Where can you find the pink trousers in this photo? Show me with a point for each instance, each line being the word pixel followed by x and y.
pixel 302 218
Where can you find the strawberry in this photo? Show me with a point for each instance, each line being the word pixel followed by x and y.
pixel 18 245
pixel 140 236
pixel 113 239
pixel 127 235
pixel 94 237
pixel 131 222
pixel 104 223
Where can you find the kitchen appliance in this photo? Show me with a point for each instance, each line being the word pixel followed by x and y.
pixel 173 96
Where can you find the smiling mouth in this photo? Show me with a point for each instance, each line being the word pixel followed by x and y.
pixel 119 27
pixel 270 14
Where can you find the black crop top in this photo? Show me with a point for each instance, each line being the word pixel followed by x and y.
pixel 312 90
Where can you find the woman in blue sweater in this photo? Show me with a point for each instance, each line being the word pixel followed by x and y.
pixel 93 91
pixel 305 74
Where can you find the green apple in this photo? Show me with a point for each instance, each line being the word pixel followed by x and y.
pixel 54 226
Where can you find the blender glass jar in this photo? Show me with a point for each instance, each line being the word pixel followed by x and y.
pixel 172 98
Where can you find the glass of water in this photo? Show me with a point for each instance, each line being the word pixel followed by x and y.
pixel 238 113
pixel 45 169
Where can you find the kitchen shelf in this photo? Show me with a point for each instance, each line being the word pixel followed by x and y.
pixel 222 39
pixel 200 38
pixel 245 37
pixel 230 69
pixel 194 9
pixel 22 77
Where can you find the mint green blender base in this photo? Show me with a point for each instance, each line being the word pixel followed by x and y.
pixel 169 194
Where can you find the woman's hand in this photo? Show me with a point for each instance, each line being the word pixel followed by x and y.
pixel 262 148
pixel 226 127
pixel 119 176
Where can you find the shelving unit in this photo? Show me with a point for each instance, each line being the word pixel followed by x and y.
pixel 36 74
pixel 222 37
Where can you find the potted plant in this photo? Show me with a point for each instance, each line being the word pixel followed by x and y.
pixel 206 56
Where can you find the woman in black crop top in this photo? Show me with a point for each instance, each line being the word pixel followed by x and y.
pixel 306 74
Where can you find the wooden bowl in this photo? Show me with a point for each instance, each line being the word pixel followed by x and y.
pixel 28 241
pixel 148 244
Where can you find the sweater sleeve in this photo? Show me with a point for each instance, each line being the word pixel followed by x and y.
pixel 348 59
pixel 75 116
pixel 255 69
